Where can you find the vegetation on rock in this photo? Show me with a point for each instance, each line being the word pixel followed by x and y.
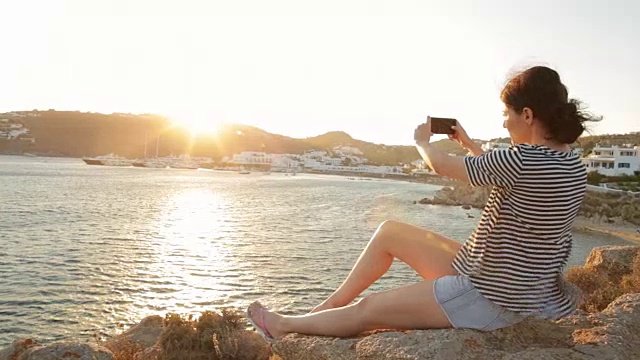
pixel 600 288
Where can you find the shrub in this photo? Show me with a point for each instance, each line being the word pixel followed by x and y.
pixel 212 336
pixel 124 350
pixel 600 289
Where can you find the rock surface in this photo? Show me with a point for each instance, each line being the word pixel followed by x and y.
pixel 140 342
pixel 612 260
pixel 27 349
pixel 460 195
pixel 143 335
pixel 613 333
pixel 17 348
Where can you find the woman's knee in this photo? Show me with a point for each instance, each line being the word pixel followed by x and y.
pixel 388 226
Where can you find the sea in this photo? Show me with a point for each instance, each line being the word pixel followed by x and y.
pixel 87 251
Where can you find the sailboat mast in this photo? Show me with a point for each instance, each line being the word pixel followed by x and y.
pixel 146 137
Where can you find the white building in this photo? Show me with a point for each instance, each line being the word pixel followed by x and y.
pixel 347 150
pixel 251 158
pixel 315 161
pixel 315 154
pixel 492 145
pixel 284 162
pixel 10 130
pixel 364 169
pixel 419 164
pixel 613 160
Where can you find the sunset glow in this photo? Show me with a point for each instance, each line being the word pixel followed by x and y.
pixel 302 69
pixel 197 123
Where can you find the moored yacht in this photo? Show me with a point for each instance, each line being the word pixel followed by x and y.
pixel 108 160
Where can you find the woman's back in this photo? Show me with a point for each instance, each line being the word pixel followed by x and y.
pixel 516 255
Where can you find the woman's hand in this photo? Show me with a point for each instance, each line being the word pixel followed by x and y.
pixel 460 136
pixel 422 134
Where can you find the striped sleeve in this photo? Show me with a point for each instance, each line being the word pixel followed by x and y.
pixel 500 167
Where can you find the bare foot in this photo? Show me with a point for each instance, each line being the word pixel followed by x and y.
pixel 268 322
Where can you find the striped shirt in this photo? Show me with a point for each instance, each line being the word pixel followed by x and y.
pixel 516 255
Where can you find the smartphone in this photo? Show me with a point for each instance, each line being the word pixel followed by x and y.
pixel 442 125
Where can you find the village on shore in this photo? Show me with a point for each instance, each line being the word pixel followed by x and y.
pixel 608 161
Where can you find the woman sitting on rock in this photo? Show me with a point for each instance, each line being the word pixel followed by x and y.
pixel 510 267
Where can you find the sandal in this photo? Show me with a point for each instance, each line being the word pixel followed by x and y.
pixel 259 325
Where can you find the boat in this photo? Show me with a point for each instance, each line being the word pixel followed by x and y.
pixel 108 160
pixel 185 166
pixel 244 172
pixel 92 161
pixel 155 164
pixel 115 160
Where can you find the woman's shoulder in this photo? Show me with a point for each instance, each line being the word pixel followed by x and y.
pixel 543 151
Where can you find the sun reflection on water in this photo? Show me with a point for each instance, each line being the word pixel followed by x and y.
pixel 191 253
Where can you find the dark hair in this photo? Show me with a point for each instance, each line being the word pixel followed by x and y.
pixel 539 88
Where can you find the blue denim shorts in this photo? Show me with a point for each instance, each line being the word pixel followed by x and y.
pixel 467 308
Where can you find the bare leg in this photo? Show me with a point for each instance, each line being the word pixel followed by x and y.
pixel 408 307
pixel 426 252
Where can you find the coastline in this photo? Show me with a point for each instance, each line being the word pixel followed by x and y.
pixel 627 232
pixel 469 197
pixel 424 179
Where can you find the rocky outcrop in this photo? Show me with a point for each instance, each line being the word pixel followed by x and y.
pixel 142 336
pixel 17 348
pixel 141 342
pixel 612 260
pixel 613 333
pixel 460 195
pixel 28 349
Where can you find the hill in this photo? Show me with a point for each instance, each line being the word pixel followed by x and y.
pixel 77 134
pixel 588 141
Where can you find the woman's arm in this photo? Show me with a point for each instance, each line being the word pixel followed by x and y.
pixel 474 149
pixel 500 167
pixel 442 163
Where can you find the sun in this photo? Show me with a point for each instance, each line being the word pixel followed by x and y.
pixel 196 123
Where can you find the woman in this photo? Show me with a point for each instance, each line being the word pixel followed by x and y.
pixel 510 267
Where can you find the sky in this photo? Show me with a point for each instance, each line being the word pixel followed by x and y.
pixel 374 69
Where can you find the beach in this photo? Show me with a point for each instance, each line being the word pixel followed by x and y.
pixel 626 231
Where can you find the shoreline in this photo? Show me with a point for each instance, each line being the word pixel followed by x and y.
pixel 626 232
pixel 466 196
pixel 423 179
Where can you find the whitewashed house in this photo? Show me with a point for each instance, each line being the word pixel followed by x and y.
pixel 613 160
pixel 284 162
pixel 492 145
pixel 252 158
pixel 10 130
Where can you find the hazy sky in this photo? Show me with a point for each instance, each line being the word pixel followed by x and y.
pixel 374 69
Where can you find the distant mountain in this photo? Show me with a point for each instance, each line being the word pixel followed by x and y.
pixel 76 134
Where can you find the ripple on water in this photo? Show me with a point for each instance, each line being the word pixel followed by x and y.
pixel 110 246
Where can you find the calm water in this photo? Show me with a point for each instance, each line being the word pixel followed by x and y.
pixel 86 248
